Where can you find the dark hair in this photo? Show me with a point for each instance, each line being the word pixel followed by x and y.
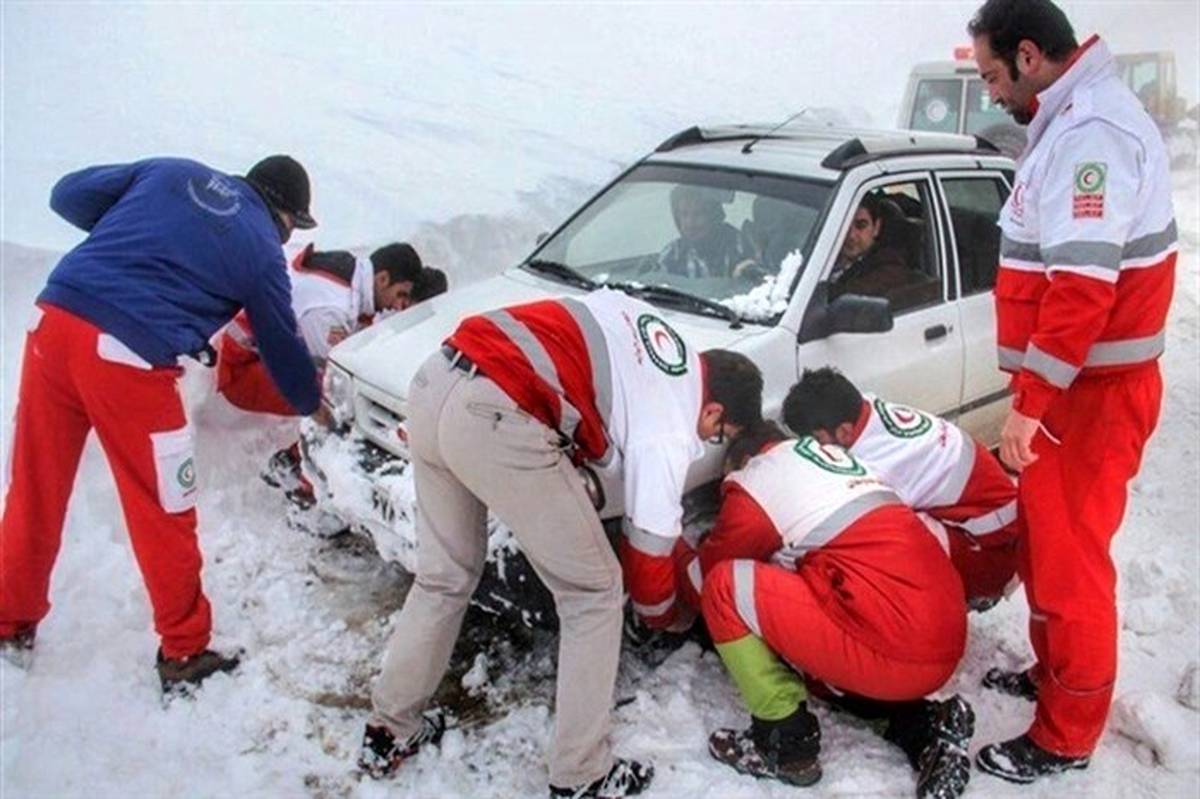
pixel 1006 23
pixel 733 380
pixel 400 261
pixel 872 203
pixel 431 283
pixel 750 442
pixel 823 399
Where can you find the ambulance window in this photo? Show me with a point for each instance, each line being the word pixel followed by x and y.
pixel 974 205
pixel 937 106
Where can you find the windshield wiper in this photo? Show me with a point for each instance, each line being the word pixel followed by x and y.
pixel 561 271
pixel 667 295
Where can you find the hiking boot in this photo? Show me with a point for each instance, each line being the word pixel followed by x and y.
pixel 625 778
pixel 1014 683
pixel 1022 761
pixel 934 736
pixel 784 750
pixel 181 676
pixel 283 469
pixel 943 767
pixel 17 648
pixel 382 754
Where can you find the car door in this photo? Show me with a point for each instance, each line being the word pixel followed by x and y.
pixel 972 199
pixel 918 361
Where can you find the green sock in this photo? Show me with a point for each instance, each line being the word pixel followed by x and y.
pixel 772 691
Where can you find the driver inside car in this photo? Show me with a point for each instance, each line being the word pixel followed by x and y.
pixel 707 246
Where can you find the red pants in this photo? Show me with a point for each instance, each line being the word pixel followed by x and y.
pixel 75 379
pixel 1072 500
pixel 795 623
pixel 242 378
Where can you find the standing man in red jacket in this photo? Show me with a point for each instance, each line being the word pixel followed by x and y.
pixel 499 420
pixel 1087 268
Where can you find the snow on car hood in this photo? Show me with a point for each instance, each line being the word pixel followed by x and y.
pixel 389 352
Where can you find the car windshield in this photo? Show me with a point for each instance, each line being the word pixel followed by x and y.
pixel 700 239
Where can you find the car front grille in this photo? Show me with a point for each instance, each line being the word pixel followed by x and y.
pixel 381 424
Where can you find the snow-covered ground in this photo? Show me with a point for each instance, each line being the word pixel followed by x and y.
pixel 561 96
pixel 87 719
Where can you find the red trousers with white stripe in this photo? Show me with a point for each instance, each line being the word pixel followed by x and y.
pixel 795 619
pixel 1072 500
pixel 71 383
pixel 243 379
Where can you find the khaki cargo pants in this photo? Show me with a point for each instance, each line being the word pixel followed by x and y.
pixel 473 449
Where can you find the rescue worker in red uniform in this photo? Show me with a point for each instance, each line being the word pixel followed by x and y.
pixel 174 249
pixel 817 576
pixel 933 465
pixel 334 294
pixel 499 420
pixel 1087 269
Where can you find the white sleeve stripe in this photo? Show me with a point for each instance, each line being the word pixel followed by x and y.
pixel 646 542
pixel 650 611
pixel 992 521
pixel 1056 371
pixel 695 575
pixel 1102 273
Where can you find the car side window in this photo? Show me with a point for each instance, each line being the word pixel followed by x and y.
pixel 974 205
pixel 890 249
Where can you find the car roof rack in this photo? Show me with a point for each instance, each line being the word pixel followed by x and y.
pixel 862 150
pixel 798 131
pixel 860 145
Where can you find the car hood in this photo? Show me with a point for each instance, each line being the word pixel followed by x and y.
pixel 389 352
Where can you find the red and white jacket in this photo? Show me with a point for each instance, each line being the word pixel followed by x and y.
pixel 323 299
pixel 935 467
pixel 613 377
pixel 1087 256
pixel 878 568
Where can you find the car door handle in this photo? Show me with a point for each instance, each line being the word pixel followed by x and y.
pixel 937 331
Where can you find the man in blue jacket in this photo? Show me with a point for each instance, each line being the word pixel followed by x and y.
pixel 174 250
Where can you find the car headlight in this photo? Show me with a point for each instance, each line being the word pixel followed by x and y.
pixel 337 392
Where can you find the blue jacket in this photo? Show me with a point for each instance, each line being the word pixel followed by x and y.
pixel 174 250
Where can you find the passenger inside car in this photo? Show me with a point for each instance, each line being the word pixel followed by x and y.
pixel 887 253
pixel 707 246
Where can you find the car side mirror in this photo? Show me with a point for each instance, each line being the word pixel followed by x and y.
pixel 541 237
pixel 846 313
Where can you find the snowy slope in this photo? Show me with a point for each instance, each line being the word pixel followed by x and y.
pixel 87 721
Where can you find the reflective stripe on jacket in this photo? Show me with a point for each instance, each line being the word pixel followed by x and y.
pixel 1089 241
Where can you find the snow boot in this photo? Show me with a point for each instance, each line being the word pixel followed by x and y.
pixel 625 778
pixel 784 750
pixel 181 676
pixel 1022 761
pixel 17 648
pixel 382 754
pixel 934 736
pixel 943 767
pixel 1014 683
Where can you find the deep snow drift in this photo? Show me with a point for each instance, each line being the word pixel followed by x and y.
pixel 87 720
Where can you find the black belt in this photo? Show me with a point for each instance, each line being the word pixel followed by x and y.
pixel 458 360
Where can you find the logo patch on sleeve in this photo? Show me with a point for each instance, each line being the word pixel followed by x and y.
pixel 1088 202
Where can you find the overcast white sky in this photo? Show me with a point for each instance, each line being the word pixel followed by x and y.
pixel 406 113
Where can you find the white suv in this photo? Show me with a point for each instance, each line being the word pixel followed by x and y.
pixel 773 209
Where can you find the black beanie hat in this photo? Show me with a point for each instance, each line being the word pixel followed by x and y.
pixel 283 184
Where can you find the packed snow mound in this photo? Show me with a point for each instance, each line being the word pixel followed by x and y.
pixel 1164 730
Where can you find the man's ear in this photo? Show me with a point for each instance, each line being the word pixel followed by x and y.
pixel 381 279
pixel 1029 57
